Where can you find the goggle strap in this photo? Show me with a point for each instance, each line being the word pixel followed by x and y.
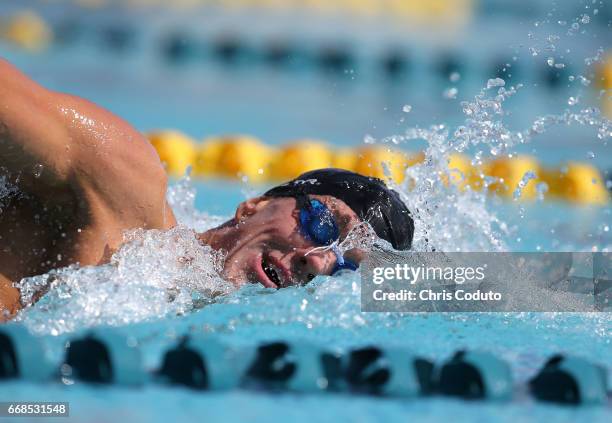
pixel 338 253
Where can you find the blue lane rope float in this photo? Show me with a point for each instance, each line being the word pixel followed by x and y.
pixel 392 372
pixel 30 31
pixel 336 59
pixel 475 375
pixel 184 365
pixel 570 380
pixel 273 366
pixel 286 55
pixel 554 77
pixel 508 70
pixel 317 369
pixel 395 64
pixel 180 48
pixel 448 64
pixel 204 363
pixel 104 356
pixel 22 355
pixel 118 38
pixel 68 31
pixel 231 50
pixel 297 367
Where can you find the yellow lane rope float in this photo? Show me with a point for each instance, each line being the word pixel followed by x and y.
pixel 175 149
pixel 300 156
pixel 235 156
pixel 509 173
pixel 26 30
pixel 247 158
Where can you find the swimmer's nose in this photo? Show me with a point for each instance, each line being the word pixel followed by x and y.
pixel 307 266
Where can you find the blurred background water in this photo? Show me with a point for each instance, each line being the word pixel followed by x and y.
pixel 328 70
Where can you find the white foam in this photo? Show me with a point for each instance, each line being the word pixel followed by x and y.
pixel 154 274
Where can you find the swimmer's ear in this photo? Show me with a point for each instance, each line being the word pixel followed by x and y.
pixel 250 207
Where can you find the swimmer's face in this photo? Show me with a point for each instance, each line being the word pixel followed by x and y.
pixel 267 246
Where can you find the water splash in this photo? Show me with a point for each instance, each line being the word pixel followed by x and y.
pixel 181 198
pixel 528 176
pixel 443 212
pixel 154 274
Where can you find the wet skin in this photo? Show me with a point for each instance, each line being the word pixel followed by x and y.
pixel 265 237
pixel 84 176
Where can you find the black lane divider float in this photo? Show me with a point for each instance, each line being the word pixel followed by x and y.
pixel 105 356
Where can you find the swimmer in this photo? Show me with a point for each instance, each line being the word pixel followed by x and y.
pixel 82 176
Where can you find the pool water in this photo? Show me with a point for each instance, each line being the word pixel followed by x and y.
pixel 326 313
pixel 203 101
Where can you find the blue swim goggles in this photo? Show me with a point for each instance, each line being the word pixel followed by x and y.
pixel 318 225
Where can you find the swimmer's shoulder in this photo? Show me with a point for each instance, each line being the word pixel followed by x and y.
pixel 59 140
pixel 116 164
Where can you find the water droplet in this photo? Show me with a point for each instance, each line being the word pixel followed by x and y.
pixel 590 155
pixel 550 61
pixel 369 139
pixel 454 77
pixel 552 38
pixel 572 101
pixel 562 23
pixel 38 170
pixel 541 190
pixel 407 108
pixel 450 93
pixel 585 19
pixel 559 65
pixel 495 82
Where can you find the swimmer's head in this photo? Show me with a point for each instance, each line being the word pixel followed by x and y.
pixel 271 237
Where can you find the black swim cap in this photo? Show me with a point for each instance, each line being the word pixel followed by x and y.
pixel 369 198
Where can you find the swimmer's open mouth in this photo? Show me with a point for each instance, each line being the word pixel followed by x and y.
pixel 271 272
